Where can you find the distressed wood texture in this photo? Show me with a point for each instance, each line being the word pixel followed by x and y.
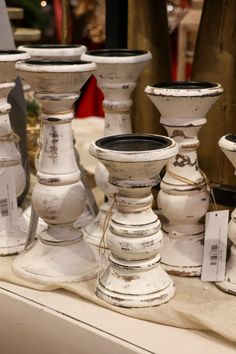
pixel 184 195
pixel 59 197
pixel 228 145
pixel 117 73
pixel 12 238
pixel 134 276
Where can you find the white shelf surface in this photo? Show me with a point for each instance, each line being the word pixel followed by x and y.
pixel 34 322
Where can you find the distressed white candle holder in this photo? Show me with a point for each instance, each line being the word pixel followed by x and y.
pixel 184 195
pixel 228 145
pixel 60 253
pixel 134 276
pixel 54 51
pixel 13 237
pixel 117 73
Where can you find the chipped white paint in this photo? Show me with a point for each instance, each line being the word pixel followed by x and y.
pixel 228 145
pixel 59 254
pixel 13 240
pixel 134 276
pixel 117 74
pixel 184 196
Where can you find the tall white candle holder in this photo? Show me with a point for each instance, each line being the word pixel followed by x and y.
pixel 117 74
pixel 228 145
pixel 60 253
pixel 134 276
pixel 184 195
pixel 54 52
pixel 12 175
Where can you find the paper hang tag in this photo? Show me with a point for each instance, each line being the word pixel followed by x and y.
pixel 8 200
pixel 215 246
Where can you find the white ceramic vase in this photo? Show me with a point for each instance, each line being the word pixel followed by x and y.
pixel 134 276
pixel 12 234
pixel 117 74
pixel 228 145
pixel 184 195
pixel 60 253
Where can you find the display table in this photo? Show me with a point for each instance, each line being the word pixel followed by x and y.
pixel 59 322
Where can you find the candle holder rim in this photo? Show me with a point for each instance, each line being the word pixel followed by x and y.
pixel 51 65
pixel 231 137
pixel 184 89
pixel 48 50
pixel 99 56
pixel 13 55
pixel 169 149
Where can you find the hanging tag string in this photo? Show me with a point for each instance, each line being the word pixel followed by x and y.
pixel 193 183
pixel 102 244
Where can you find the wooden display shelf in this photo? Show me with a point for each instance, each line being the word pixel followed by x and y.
pixel 60 322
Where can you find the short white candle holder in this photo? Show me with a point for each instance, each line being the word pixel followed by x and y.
pixel 184 196
pixel 134 276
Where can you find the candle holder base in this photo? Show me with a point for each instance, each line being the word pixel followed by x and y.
pixel 182 253
pixel 142 284
pixel 229 283
pixel 227 286
pixel 53 260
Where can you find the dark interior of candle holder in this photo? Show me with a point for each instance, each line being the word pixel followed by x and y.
pixel 55 62
pixel 11 51
pixel 231 137
pixel 133 142
pixel 116 52
pixel 185 85
pixel 51 46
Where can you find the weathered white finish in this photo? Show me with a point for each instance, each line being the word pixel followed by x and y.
pixel 11 241
pixel 59 254
pixel 53 51
pixel 228 145
pixel 49 51
pixel 184 195
pixel 117 74
pixel 134 277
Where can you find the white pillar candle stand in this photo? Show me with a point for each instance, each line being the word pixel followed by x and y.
pixel 184 196
pixel 53 51
pixel 134 276
pixel 60 253
pixel 117 73
pixel 228 145
pixel 12 175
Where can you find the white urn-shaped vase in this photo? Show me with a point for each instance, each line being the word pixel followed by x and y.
pixel 12 175
pixel 134 276
pixel 117 74
pixel 60 253
pixel 184 196
pixel 228 145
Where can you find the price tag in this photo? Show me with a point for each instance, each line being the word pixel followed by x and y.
pixel 215 246
pixel 8 200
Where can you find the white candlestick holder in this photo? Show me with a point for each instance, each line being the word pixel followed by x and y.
pixel 228 145
pixel 134 276
pixel 60 253
pixel 117 74
pixel 184 195
pixel 12 175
